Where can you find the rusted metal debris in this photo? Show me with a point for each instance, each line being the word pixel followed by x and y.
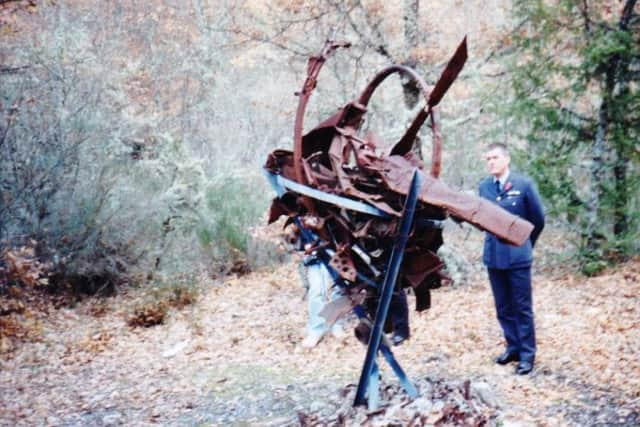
pixel 335 158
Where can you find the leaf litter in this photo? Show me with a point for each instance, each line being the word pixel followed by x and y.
pixel 233 358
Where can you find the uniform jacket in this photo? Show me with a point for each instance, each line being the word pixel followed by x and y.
pixel 520 197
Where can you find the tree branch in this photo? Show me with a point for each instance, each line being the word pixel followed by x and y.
pixel 251 38
pixel 573 114
pixel 381 45
pixel 627 13
pixel 13 70
pixel 585 15
pixel 500 47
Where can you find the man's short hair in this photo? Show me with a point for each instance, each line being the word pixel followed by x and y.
pixel 499 146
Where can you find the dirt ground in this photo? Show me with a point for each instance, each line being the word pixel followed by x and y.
pixel 233 357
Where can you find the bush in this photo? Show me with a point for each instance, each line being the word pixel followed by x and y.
pixel 103 195
pixel 237 204
pixel 117 165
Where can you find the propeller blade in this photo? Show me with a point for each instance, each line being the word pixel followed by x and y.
pixel 448 76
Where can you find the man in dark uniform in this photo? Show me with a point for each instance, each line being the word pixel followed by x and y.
pixel 509 266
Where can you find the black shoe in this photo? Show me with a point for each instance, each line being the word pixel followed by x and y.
pixel 524 368
pixel 398 339
pixel 363 332
pixel 507 357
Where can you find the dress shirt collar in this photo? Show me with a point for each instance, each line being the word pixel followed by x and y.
pixel 503 178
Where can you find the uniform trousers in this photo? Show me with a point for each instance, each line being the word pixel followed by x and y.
pixel 514 309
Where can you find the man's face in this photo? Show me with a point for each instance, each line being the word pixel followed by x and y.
pixel 497 162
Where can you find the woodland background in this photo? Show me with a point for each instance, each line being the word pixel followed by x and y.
pixel 132 136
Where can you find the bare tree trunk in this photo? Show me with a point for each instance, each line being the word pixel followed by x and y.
pixel 621 218
pixel 597 172
pixel 615 82
pixel 411 39
pixel 410 88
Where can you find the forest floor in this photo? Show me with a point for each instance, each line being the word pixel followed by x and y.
pixel 234 357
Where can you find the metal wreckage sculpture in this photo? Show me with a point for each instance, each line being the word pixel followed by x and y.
pixel 374 217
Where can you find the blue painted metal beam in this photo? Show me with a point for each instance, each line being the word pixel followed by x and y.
pixel 370 384
pixel 280 184
pixel 388 286
pixel 406 384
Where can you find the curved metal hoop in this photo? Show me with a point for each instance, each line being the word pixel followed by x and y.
pixel 406 142
pixel 382 75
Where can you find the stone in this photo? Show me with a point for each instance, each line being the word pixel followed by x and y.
pixel 176 349
pixel 112 419
pixel 483 392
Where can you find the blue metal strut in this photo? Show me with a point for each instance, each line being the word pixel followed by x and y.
pixel 370 377
pixel 388 286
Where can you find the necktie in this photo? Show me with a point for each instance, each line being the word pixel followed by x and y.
pixel 498 187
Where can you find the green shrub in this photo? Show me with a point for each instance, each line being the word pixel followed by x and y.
pixel 117 165
pixel 236 204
